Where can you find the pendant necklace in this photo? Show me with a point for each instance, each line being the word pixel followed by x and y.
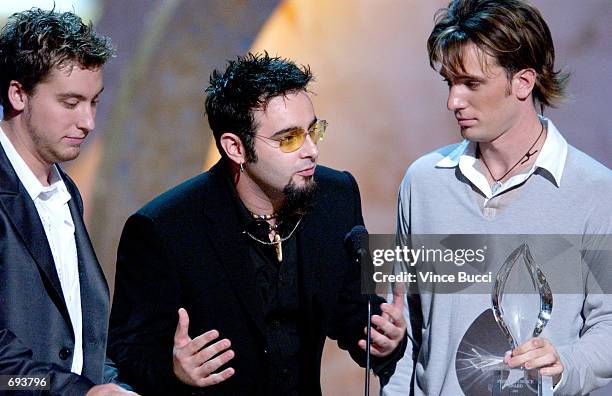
pixel 528 154
pixel 277 242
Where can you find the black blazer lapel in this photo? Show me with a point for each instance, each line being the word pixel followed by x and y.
pixel 22 212
pixel 231 244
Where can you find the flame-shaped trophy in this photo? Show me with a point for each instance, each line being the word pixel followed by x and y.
pixel 522 304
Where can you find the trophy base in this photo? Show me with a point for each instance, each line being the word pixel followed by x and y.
pixel 529 383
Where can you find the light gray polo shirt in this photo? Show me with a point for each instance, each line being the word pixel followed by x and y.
pixel 564 192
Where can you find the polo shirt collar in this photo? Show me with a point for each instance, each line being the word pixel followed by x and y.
pixel 552 156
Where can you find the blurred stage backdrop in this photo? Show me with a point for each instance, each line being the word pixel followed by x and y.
pixel 385 106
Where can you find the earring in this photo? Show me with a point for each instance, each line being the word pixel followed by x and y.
pixel 241 168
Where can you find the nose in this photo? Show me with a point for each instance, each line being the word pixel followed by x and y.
pixel 87 119
pixel 455 100
pixel 309 149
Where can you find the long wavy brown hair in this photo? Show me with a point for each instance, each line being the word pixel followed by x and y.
pixel 512 32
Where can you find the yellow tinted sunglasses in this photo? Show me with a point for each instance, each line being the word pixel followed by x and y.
pixel 294 139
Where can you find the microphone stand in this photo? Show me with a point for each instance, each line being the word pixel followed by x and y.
pixel 362 257
pixel 368 344
pixel 359 252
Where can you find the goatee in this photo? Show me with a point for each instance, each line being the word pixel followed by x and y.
pixel 298 199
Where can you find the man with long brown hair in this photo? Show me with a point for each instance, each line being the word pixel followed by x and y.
pixel 513 173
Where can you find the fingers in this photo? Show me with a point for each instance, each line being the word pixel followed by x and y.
pixel 375 352
pixel 398 305
pixel 108 390
pixel 213 365
pixel 529 345
pixel 541 361
pixel 507 357
pixel 181 335
pixel 520 360
pixel 388 328
pixel 204 339
pixel 211 350
pixel 193 354
pixel 216 378
pixel 554 371
pixel 399 294
pixel 398 300
pixel 382 344
pixel 199 369
pixel 394 313
pixel 195 361
pixel 536 353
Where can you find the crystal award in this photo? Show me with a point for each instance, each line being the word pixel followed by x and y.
pixel 522 304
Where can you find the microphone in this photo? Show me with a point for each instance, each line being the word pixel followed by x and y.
pixel 356 243
pixel 353 241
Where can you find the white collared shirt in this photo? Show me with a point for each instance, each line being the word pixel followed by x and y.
pixel 551 158
pixel 52 205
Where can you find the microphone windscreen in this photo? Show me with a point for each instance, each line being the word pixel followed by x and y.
pixel 354 240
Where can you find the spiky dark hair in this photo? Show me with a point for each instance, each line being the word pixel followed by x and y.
pixel 247 84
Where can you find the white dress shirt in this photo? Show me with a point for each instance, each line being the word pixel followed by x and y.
pixel 52 205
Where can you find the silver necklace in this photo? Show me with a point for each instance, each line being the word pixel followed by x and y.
pixel 277 242
pixel 528 154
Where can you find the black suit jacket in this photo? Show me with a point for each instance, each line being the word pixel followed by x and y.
pixel 186 249
pixel 36 335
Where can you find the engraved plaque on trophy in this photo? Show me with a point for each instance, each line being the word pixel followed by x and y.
pixel 522 305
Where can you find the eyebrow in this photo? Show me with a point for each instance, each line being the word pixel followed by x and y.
pixel 462 77
pixel 470 77
pixel 69 95
pixel 292 128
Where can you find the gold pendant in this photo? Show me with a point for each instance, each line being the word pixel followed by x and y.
pixel 279 247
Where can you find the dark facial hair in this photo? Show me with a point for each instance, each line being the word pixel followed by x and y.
pixel 298 200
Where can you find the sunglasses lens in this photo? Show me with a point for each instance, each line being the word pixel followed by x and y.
pixel 292 142
pixel 317 131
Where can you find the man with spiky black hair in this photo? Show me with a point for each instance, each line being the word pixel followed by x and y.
pixel 249 254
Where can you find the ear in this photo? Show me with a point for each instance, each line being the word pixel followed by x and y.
pixel 17 96
pixel 233 147
pixel 523 83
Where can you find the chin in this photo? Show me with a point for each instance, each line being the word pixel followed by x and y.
pixel 473 136
pixel 466 133
pixel 303 181
pixel 67 155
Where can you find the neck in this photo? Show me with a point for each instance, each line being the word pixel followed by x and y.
pixel 16 132
pixel 512 146
pixel 506 149
pixel 255 198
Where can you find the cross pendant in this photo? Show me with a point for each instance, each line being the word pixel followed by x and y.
pixel 278 245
